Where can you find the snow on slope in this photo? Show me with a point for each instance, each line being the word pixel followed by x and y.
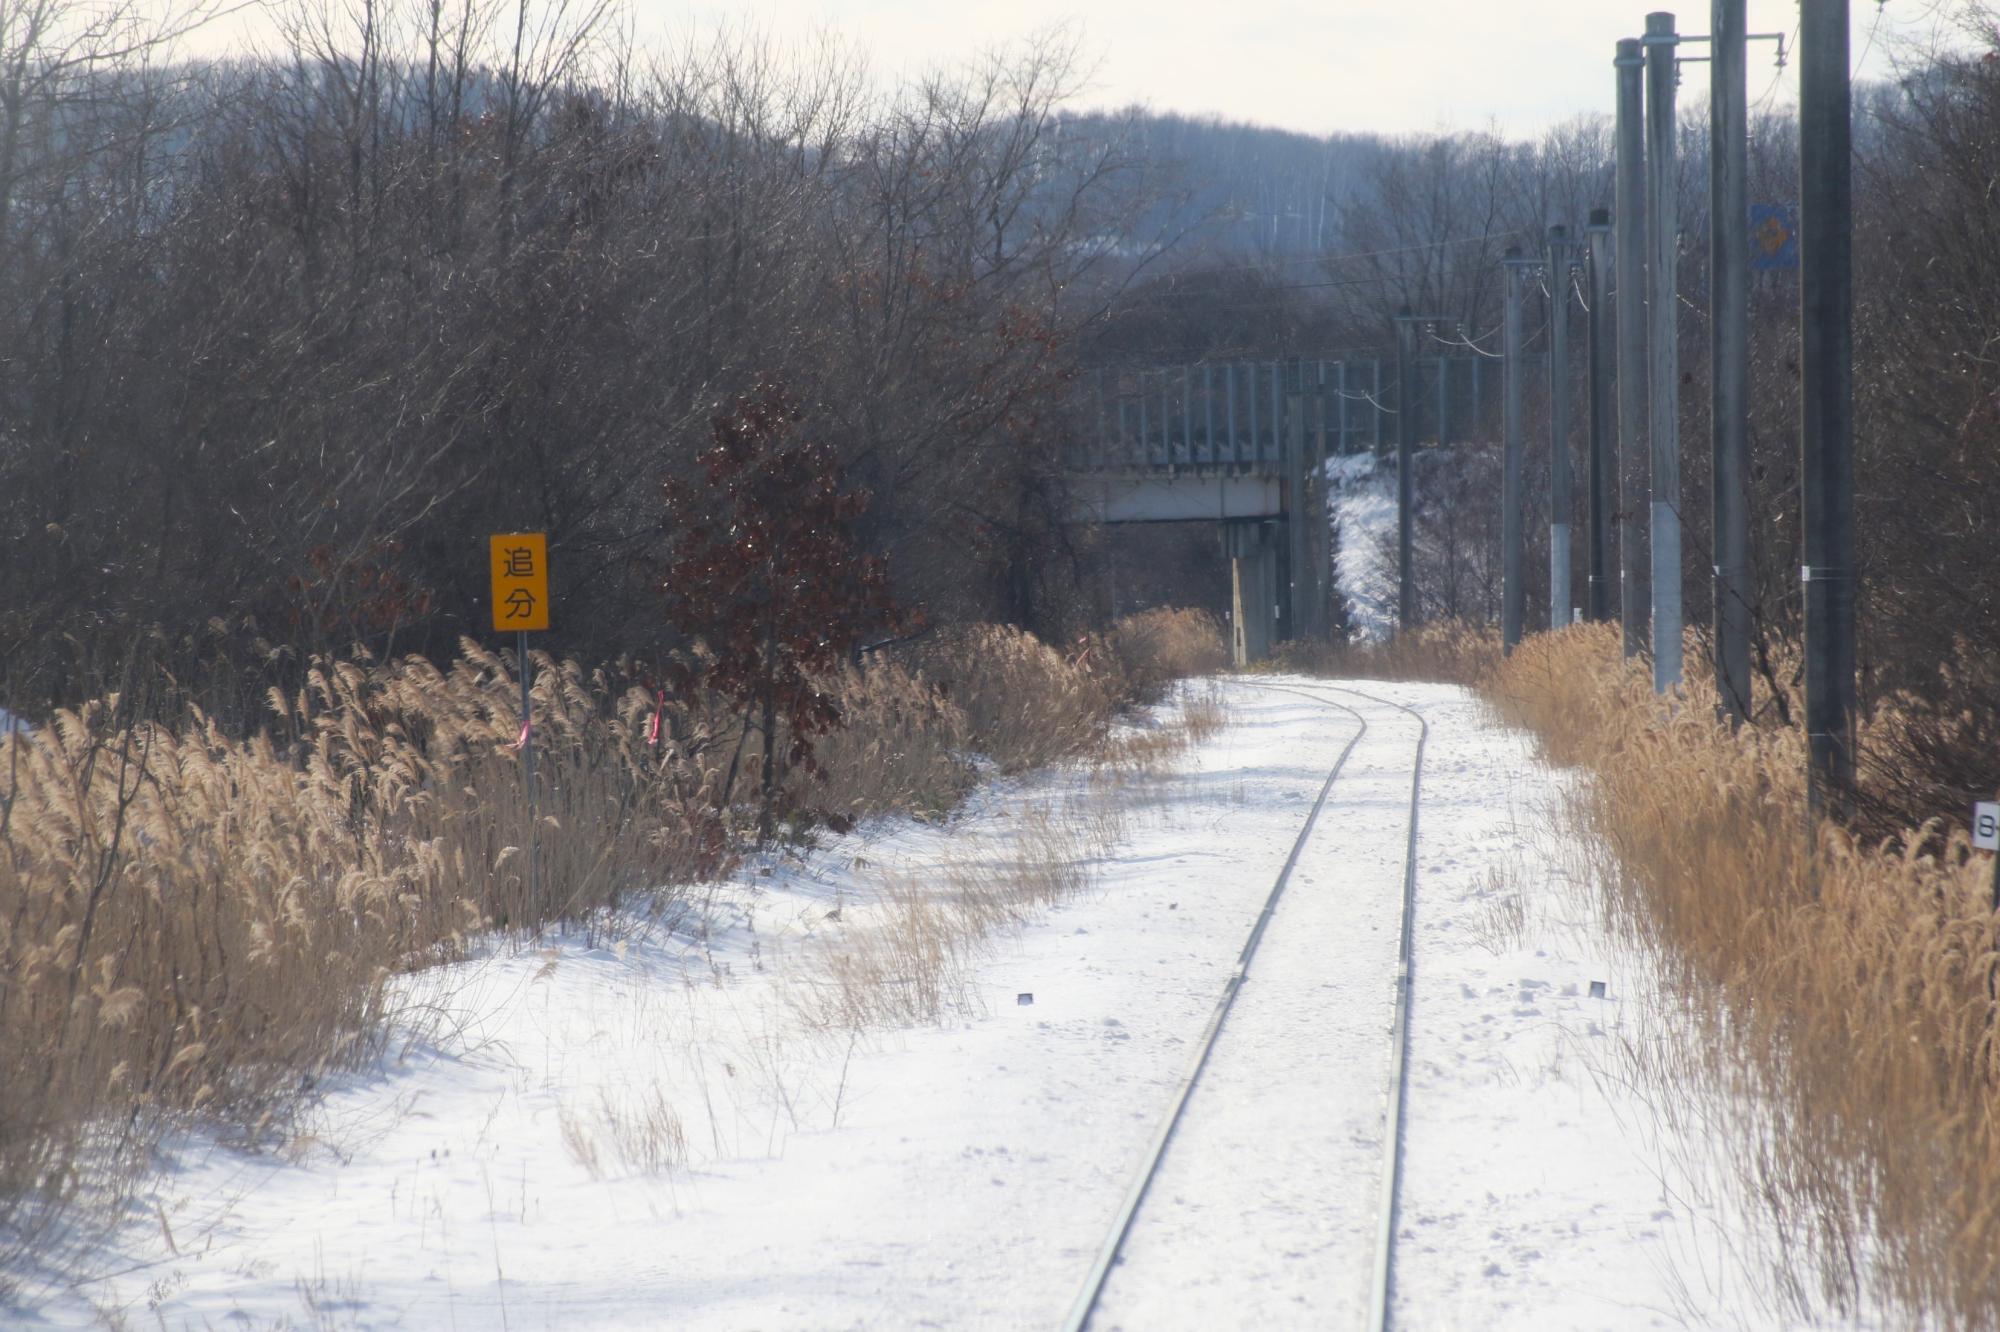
pixel 962 1174
pixel 1363 499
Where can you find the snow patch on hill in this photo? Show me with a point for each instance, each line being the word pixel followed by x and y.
pixel 1362 498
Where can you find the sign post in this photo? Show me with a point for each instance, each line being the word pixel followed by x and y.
pixel 519 563
pixel 1986 837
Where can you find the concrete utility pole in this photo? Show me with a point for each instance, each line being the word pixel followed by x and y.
pixel 1301 518
pixel 1663 319
pixel 1826 396
pixel 1513 547
pixel 1603 459
pixel 1729 349
pixel 1560 499
pixel 1375 399
pixel 1444 401
pixel 1406 443
pixel 1635 602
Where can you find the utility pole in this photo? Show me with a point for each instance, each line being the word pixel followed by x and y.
pixel 1826 397
pixel 1603 459
pixel 1629 213
pixel 1406 442
pixel 1375 399
pixel 1729 349
pixel 1513 550
pixel 1301 518
pixel 1560 498
pixel 1663 319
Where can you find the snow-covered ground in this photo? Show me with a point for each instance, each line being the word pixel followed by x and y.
pixel 668 1123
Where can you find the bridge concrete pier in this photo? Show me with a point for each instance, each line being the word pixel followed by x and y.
pixel 1256 551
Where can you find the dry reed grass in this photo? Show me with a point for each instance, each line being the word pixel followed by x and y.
pixel 1848 987
pixel 1449 650
pixel 1154 648
pixel 1024 703
pixel 197 923
pixel 900 748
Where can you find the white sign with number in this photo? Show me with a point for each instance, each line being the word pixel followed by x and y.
pixel 1986 825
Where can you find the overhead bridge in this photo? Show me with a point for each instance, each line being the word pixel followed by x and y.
pixel 1244 444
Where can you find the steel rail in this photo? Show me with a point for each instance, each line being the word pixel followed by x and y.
pixel 1156 1151
pixel 1383 1281
pixel 1381 1300
pixel 1382 1292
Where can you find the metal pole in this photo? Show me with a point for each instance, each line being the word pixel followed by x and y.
pixel 1208 453
pixel 527 752
pixel 1729 350
pixel 1603 459
pixel 1229 375
pixel 1256 444
pixel 1444 401
pixel 1560 505
pixel 1277 412
pixel 1406 429
pixel 1663 319
pixel 1628 211
pixel 1513 553
pixel 1826 397
pixel 1375 437
pixel 1340 382
pixel 1145 423
pixel 1298 530
pixel 1098 459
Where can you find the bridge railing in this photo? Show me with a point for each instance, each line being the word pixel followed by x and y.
pixel 1222 413
pixel 1232 414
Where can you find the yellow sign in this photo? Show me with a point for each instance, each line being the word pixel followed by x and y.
pixel 520 580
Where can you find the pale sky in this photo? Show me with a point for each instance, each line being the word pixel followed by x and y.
pixel 1310 65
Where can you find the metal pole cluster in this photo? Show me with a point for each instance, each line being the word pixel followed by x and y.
pixel 1629 222
pixel 1729 351
pixel 1629 279
pixel 1559 486
pixel 1603 457
pixel 1826 395
pixel 1406 443
pixel 1513 539
pixel 1663 334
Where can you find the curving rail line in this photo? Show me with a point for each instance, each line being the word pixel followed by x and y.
pixel 1383 1285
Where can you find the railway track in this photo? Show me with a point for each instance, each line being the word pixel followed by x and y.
pixel 1381 1296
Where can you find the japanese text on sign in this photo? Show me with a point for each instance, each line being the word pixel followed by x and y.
pixel 520 562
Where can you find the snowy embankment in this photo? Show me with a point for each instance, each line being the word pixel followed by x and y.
pixel 1362 500
pixel 679 1122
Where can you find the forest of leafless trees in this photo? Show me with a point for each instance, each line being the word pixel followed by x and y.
pixel 284 337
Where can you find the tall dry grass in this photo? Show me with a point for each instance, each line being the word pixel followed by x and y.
pixel 200 923
pixel 901 748
pixel 1454 651
pixel 1154 648
pixel 191 922
pixel 1025 704
pixel 1847 986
